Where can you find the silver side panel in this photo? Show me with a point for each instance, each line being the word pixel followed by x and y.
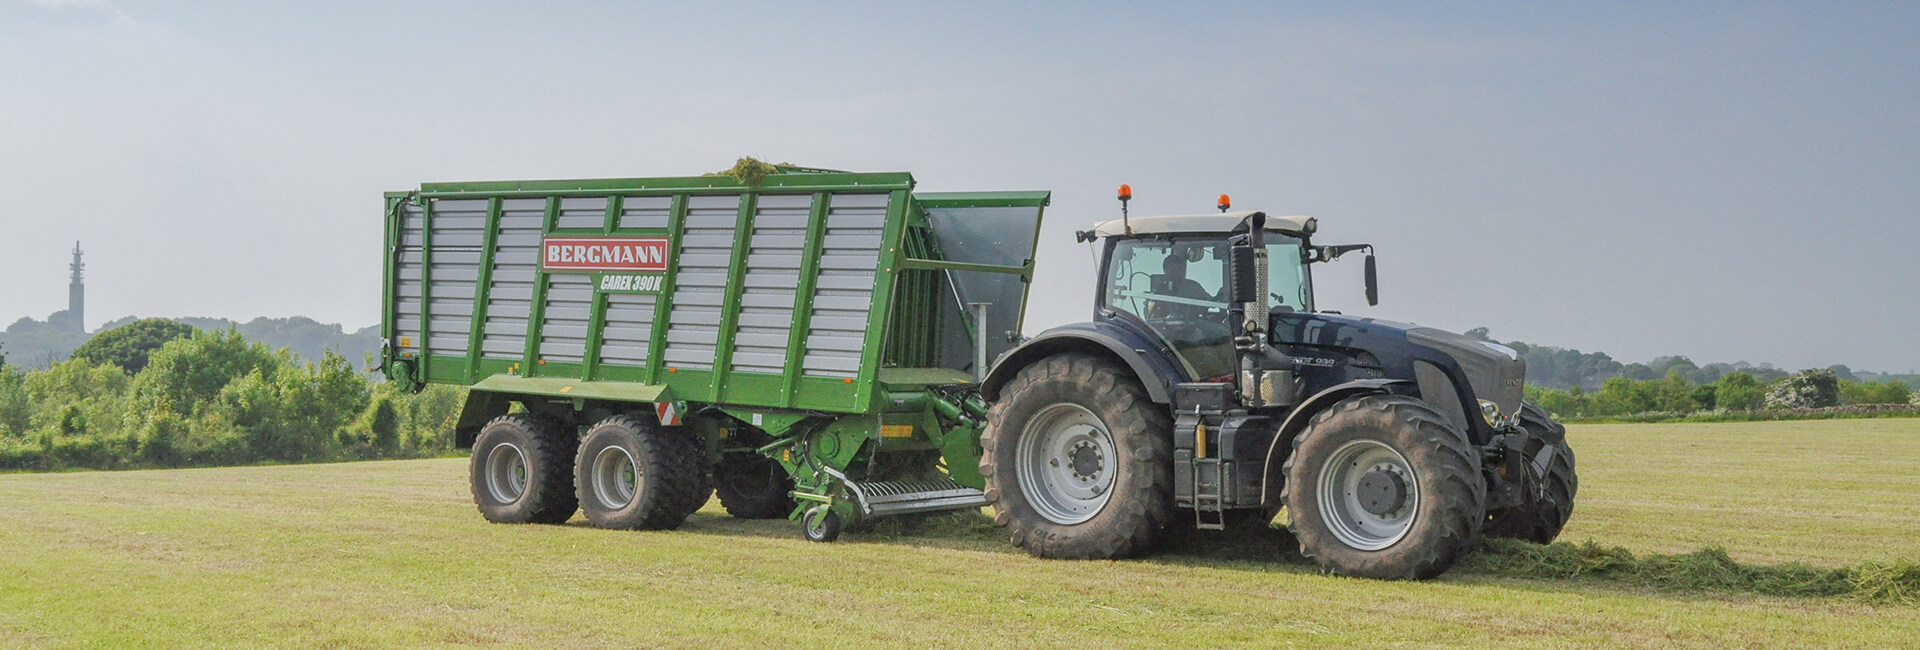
pixel 628 330
pixel 516 262
pixel 563 326
pixel 645 211
pixel 406 286
pixel 773 272
pixel 843 295
pixel 459 231
pixel 582 212
pixel 700 284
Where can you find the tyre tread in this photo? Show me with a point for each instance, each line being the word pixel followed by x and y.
pixel 674 481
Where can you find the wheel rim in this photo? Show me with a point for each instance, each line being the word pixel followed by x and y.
pixel 506 473
pixel 615 477
pixel 1066 463
pixel 1369 495
pixel 816 522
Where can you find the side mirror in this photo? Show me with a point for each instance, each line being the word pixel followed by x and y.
pixel 1373 282
pixel 1242 278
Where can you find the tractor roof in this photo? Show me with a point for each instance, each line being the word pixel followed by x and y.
pixel 1220 222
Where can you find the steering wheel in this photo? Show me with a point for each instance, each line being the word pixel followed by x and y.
pixel 1140 274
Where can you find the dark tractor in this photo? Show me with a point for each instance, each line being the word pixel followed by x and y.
pixel 1207 392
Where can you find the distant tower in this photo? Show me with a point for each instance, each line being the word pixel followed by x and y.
pixel 77 295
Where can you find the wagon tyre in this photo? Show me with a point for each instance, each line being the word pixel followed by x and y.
pixel 1078 461
pixel 521 470
pixel 1543 516
pixel 702 477
pixel 633 474
pixel 1380 486
pixel 752 486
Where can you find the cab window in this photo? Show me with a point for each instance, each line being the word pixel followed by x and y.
pixel 1177 287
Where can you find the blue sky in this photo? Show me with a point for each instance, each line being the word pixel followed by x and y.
pixel 1725 181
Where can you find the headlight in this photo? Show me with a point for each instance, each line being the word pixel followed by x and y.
pixel 1499 422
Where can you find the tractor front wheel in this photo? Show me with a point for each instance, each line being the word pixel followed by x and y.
pixel 1552 483
pixel 1380 486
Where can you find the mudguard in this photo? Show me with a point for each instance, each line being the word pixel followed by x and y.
pixel 482 406
pixel 1297 420
pixel 1153 366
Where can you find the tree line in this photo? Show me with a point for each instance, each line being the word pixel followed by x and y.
pixel 1556 367
pixel 157 393
pixel 1592 385
pixel 37 344
pixel 1738 392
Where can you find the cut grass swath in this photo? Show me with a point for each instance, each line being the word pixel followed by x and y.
pixel 1706 570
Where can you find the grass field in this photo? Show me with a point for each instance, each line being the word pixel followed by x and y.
pixel 392 553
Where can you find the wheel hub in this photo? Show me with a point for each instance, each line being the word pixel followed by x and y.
pixel 1086 460
pixel 1382 491
pixel 616 478
pixel 506 473
pixel 1061 463
pixel 1367 495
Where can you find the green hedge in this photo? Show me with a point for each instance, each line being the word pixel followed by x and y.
pixel 213 398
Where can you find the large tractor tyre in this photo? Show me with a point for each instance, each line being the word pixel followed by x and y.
pixel 522 470
pixel 632 474
pixel 1549 461
pixel 1380 486
pixel 752 486
pixel 1078 461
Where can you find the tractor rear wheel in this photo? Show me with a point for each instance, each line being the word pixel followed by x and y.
pixel 522 470
pixel 752 486
pixel 632 474
pixel 1549 463
pixel 1078 461
pixel 1380 486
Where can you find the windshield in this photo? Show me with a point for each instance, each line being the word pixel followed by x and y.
pixel 1176 285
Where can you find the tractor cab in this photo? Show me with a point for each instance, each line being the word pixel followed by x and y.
pixel 1170 276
